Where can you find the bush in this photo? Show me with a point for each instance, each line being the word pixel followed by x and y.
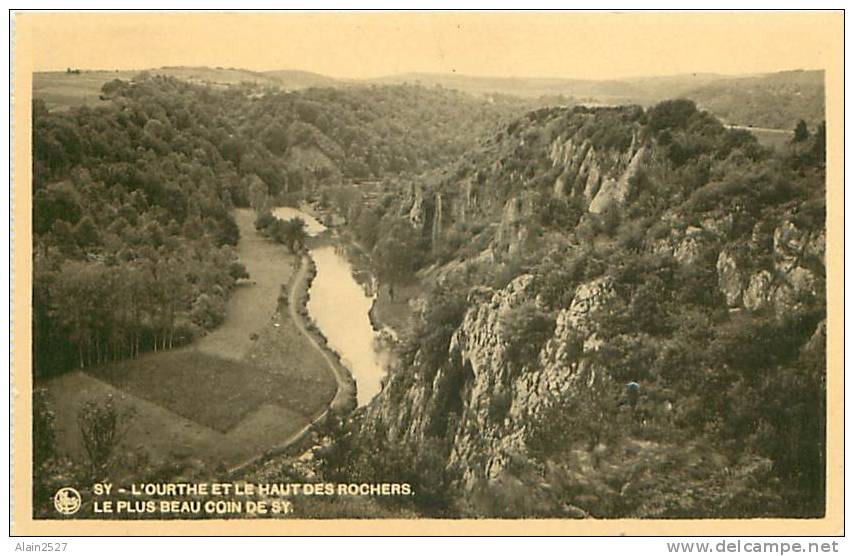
pixel 671 114
pixel 102 428
pixel 525 330
pixel 444 314
pixel 264 220
pixel 44 428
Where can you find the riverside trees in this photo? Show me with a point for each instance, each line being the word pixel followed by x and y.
pixel 131 226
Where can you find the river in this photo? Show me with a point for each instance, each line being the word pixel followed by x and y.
pixel 340 307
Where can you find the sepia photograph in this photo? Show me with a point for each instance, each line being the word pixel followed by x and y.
pixel 559 269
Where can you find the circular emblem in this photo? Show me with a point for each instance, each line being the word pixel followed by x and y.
pixel 66 501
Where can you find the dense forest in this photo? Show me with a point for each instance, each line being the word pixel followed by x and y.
pixel 133 237
pixel 624 318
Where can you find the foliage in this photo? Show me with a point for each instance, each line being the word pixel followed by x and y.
pixel 291 233
pixel 398 254
pixel 44 428
pixel 525 330
pixel 730 420
pixel 371 458
pixel 441 318
pixel 801 132
pixel 103 425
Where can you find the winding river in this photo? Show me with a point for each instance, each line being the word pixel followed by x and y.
pixel 340 308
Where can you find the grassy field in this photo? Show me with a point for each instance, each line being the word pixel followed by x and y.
pixel 252 305
pixel 225 398
pixel 61 90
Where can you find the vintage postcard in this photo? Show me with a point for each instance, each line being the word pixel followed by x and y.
pixel 427 273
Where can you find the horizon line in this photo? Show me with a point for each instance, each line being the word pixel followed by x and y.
pixel 434 74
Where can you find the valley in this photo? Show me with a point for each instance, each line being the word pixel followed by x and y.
pixel 519 308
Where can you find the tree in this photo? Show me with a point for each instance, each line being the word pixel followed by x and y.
pixel 291 232
pixel 525 329
pixel 819 146
pixel 801 132
pixel 103 426
pixel 86 233
pixel 397 255
pixel 258 194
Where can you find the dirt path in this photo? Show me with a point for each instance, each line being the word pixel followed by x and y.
pixel 345 394
pixel 295 300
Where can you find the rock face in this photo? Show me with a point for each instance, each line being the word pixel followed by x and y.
pixel 599 178
pixel 512 231
pixel 436 230
pixel 729 279
pixel 417 212
pixel 688 250
pixel 494 400
pixel 602 178
pixel 475 397
pixel 758 292
pixel 615 192
pixel 782 286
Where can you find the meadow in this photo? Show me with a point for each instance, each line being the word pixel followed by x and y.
pixel 62 90
pixel 245 388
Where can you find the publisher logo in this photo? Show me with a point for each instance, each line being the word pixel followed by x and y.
pixel 66 501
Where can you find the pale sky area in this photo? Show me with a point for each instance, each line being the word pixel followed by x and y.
pixel 360 45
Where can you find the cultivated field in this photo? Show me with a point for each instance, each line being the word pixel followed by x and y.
pixel 225 398
pixel 61 90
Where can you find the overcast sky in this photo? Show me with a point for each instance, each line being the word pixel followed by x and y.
pixel 358 45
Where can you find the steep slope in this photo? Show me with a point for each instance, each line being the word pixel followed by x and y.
pixel 626 320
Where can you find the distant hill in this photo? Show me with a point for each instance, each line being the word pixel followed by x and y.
pixel 643 90
pixel 63 89
pixel 297 79
pixel 215 76
pixel 774 100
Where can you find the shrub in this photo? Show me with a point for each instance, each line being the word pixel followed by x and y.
pixel 44 428
pixel 671 114
pixel 102 428
pixel 525 330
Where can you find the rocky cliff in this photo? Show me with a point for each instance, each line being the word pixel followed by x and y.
pixel 635 271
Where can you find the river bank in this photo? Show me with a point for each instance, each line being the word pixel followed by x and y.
pixel 297 300
pixel 342 301
pixel 389 317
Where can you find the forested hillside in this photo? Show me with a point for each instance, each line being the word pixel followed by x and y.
pixel 624 318
pixel 773 100
pixel 776 100
pixel 132 228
